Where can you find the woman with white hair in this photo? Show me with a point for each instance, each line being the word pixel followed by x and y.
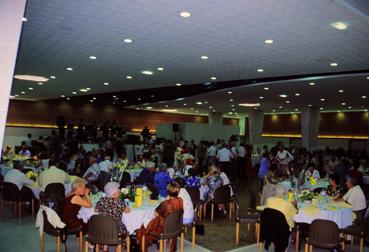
pixel 279 203
pixel 112 206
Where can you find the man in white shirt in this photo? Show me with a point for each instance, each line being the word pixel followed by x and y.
pixel 52 175
pixel 356 198
pixel 18 178
pixel 212 153
pixel 92 172
pixel 224 157
pixel 105 165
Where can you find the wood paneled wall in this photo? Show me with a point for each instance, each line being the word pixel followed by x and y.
pixel 45 113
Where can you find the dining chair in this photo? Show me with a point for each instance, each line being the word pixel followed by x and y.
pixel 11 193
pixel 361 231
pixel 222 195
pixel 274 229
pixel 55 191
pixel 103 230
pixel 126 180
pixel 323 234
pixel 196 201
pixel 249 218
pixel 58 233
pixel 173 228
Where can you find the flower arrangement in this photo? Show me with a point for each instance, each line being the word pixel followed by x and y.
pixel 127 193
pixel 305 195
pixel 32 175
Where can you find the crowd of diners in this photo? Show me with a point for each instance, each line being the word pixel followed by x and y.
pixel 207 163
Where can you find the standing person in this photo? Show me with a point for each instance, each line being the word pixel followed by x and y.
pixel 241 162
pixel 284 157
pixel 162 179
pixel 28 141
pixel 224 157
pixel 212 154
pixel 234 159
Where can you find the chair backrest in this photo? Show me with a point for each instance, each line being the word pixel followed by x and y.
pixel 48 227
pixel 126 179
pixel 55 188
pixel 222 195
pixel 103 229
pixel 365 225
pixel 274 228
pixel 55 192
pixel 10 192
pixel 194 195
pixel 324 234
pixel 173 224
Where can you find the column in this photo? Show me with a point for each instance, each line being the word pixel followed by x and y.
pixel 256 124
pixel 215 118
pixel 11 13
pixel 310 120
pixel 242 124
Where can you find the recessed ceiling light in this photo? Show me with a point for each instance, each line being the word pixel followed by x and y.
pixel 184 104
pixel 160 68
pixel 261 97
pixel 31 78
pixel 214 110
pixel 340 91
pixel 266 88
pixel 129 77
pixel 287 101
pixel 185 14
pixel 365 110
pixel 167 106
pixel 249 104
pixel 232 105
pixel 152 95
pixel 309 105
pixel 139 99
pixel 260 70
pixel 338 111
pixel 296 109
pixel 93 98
pixel 273 110
pixel 16 95
pixel 322 99
pixel 229 92
pixel 199 103
pixel 283 95
pixel 349 107
pixel 231 100
pixel 233 109
pixel 24 19
pixel 83 90
pixel 30 88
pixel 62 96
pixel 124 101
pixel 213 78
pixel 68 98
pixel 52 77
pixel 343 103
pixel 210 107
pixel 339 25
pixel 40 83
pixel 93 57
pixel 106 83
pixel 231 113
pixel 178 84
pixel 180 99
pixel 334 64
pixel 321 108
pixel 312 83
pixel 148 107
pixel 363 97
pixel 367 77
pixel 281 107
pixel 147 72
pixel 74 92
pixel 88 88
pixel 22 92
pixel 169 110
pixel 297 94
pixel 268 41
pixel 127 40
pixel 204 57
pixel 69 69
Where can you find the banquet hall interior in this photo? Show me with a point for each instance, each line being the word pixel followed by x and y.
pixel 184 125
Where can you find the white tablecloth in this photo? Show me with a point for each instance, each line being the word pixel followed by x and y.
pixel 133 220
pixel 342 217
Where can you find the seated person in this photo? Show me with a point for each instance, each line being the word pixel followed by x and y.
pixel 155 227
pixel 52 175
pixel 112 206
pixel 356 198
pixel 278 202
pixel 24 151
pixel 147 175
pixel 92 172
pixel 192 180
pixel 212 181
pixel 312 172
pixel 76 199
pixel 18 178
pixel 105 165
pixel 334 189
pixel 162 179
pixel 188 210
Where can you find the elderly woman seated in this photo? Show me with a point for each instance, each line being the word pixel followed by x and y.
pixel 155 226
pixel 76 199
pixel 112 206
pixel 212 181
